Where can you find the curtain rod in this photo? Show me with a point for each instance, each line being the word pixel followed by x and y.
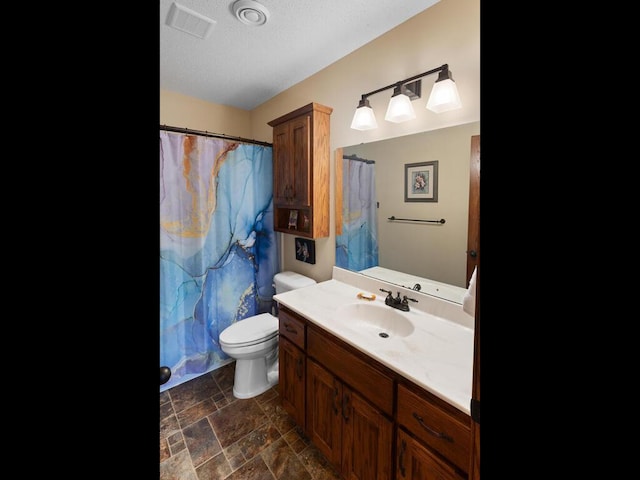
pixel 215 135
pixel 357 158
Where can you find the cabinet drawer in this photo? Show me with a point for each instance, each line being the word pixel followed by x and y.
pixel 372 384
pixel 291 327
pixel 435 427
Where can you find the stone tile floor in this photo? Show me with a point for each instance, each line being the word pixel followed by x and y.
pixel 206 433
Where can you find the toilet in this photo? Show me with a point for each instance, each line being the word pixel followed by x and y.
pixel 253 343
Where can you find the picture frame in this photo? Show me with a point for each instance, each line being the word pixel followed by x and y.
pixel 421 181
pixel 306 250
pixel 293 219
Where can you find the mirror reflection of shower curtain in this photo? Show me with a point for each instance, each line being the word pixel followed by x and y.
pixel 357 246
pixel 218 249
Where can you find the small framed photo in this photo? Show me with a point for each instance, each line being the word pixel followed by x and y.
pixel 293 219
pixel 421 182
pixel 306 250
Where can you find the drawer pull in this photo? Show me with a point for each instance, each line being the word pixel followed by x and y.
pixel 289 329
pixel 403 446
pixel 441 435
pixel 299 368
pixel 345 407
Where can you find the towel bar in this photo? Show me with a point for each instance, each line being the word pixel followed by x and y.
pixel 442 220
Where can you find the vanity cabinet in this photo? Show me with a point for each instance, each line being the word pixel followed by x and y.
pixel 359 413
pixel 301 171
pixel 354 434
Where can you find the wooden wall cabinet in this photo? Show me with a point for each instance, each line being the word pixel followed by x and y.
pixel 301 152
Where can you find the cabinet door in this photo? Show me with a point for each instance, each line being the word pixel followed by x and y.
pixel 292 163
pixel 366 440
pixel 282 165
pixel 291 382
pixel 301 156
pixel 415 462
pixel 324 416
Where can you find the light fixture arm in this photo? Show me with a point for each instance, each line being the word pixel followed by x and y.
pixel 442 68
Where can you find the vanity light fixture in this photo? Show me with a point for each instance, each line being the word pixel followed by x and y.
pixel 444 97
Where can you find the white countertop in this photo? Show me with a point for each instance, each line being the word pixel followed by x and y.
pixel 438 355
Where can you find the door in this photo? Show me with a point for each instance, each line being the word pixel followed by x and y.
pixel 474 468
pixel 473 233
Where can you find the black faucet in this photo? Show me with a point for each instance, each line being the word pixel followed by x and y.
pixel 397 302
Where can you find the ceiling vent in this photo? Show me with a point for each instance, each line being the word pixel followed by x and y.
pixel 250 12
pixel 186 20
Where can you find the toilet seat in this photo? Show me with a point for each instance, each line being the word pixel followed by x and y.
pixel 250 331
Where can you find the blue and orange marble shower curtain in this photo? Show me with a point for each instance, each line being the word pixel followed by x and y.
pixel 218 250
pixel 357 246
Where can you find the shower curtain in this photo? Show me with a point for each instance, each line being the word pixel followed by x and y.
pixel 218 249
pixel 357 246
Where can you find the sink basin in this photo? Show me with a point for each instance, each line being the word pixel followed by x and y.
pixel 380 320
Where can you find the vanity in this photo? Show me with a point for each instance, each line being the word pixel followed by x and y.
pixel 382 393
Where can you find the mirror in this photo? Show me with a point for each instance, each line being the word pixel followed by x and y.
pixel 415 247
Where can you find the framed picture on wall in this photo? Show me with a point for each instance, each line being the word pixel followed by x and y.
pixel 305 250
pixel 421 182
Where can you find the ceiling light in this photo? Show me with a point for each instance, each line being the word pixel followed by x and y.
pixel 250 12
pixel 444 97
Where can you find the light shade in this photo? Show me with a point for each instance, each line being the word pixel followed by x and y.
pixel 364 118
pixel 444 96
pixel 400 108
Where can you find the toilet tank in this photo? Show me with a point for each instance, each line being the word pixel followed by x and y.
pixel 285 281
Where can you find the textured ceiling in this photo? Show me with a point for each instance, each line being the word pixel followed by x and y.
pixel 243 66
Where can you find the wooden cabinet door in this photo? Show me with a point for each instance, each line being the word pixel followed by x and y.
pixel 416 462
pixel 291 160
pixel 291 382
pixel 324 416
pixel 366 440
pixel 301 159
pixel 282 165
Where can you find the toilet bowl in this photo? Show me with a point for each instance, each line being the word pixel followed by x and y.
pixel 253 343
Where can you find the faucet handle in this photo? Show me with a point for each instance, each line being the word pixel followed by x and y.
pixel 387 291
pixel 405 300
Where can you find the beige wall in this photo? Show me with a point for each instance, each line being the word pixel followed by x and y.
pixel 448 32
pixel 179 110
